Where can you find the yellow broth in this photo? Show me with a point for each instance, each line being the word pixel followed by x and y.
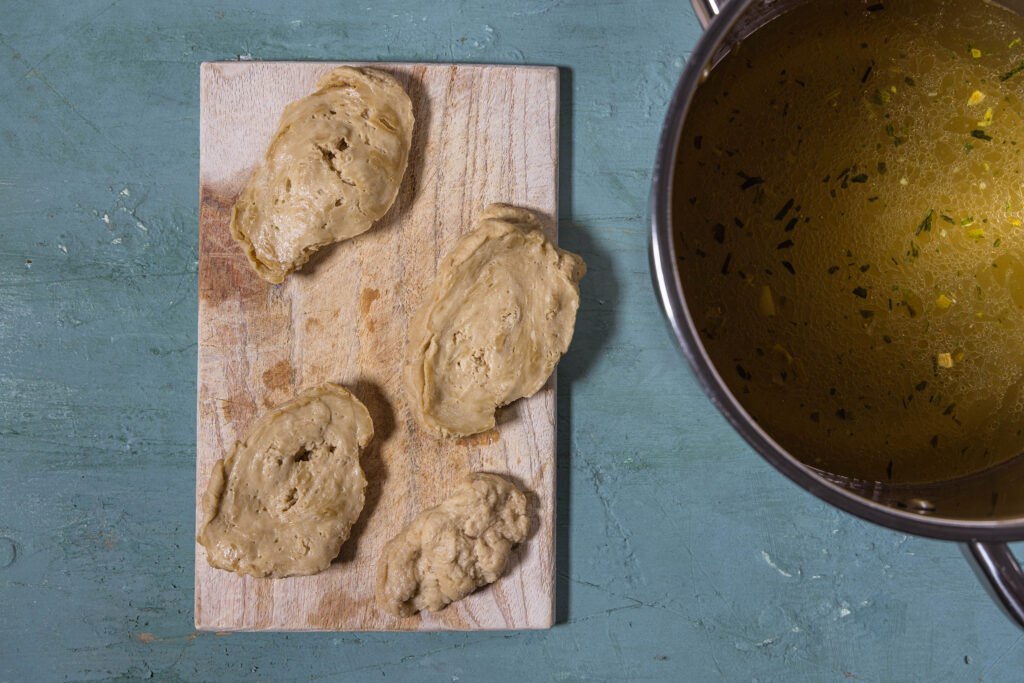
pixel 848 205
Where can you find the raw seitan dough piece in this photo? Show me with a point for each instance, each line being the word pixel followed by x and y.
pixel 332 169
pixel 282 503
pixel 449 551
pixel 498 316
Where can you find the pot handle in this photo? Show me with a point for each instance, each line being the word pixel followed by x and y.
pixel 707 10
pixel 1000 567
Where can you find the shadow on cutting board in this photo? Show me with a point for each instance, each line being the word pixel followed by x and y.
pixel 383 416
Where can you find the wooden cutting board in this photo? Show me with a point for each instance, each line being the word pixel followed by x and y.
pixel 482 134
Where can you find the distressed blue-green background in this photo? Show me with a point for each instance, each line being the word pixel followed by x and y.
pixel 681 554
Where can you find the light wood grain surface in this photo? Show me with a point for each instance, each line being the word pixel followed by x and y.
pixel 483 134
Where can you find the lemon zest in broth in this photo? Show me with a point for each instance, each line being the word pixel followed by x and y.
pixel 779 349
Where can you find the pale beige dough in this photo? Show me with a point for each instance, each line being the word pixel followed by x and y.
pixel 495 321
pixel 285 499
pixel 332 169
pixel 449 551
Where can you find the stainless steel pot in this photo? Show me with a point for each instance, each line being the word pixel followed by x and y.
pixel 984 510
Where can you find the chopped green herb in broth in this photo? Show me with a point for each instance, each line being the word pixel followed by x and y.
pixel 934 105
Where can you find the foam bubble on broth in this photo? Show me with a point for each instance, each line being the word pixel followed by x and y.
pixel 849 203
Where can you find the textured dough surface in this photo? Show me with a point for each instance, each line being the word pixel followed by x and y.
pixel 449 551
pixel 332 169
pixel 497 318
pixel 284 500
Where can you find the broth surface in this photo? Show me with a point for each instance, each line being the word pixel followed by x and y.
pixel 848 205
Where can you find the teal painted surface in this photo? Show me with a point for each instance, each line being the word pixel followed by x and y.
pixel 682 556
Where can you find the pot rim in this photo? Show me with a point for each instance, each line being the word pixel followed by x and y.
pixel 668 287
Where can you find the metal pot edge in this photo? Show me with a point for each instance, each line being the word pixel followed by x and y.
pixel 668 288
